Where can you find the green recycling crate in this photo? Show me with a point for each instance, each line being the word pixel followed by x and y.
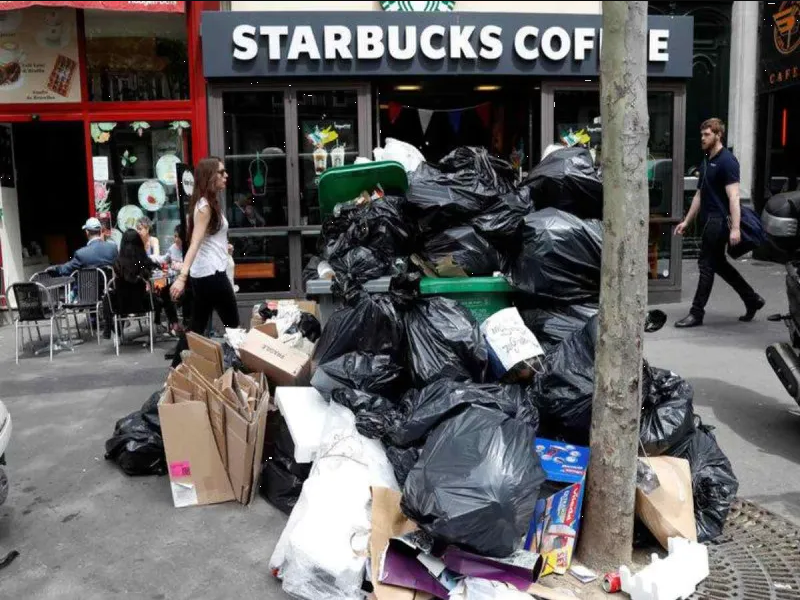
pixel 482 296
pixel 342 184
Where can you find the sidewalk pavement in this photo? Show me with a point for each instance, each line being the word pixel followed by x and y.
pixel 85 530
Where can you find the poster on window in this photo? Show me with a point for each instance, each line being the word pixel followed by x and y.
pixel 329 141
pixel 39 56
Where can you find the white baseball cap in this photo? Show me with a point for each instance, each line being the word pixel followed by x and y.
pixel 92 224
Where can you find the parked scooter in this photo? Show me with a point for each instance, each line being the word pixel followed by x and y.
pixel 5 436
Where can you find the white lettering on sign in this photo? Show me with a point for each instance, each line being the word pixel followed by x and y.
pixel 426 42
pixel 273 33
pixel 303 42
pixel 435 42
pixel 370 42
pixel 564 47
pixel 658 45
pixel 584 41
pixel 460 44
pixel 337 42
pixel 410 49
pixel 521 43
pixel 244 41
pixel 491 45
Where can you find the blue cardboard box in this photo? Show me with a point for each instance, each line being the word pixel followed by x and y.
pixel 553 532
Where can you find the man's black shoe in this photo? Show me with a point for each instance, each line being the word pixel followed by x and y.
pixel 690 321
pixel 753 309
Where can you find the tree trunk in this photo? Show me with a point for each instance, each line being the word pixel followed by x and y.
pixel 607 536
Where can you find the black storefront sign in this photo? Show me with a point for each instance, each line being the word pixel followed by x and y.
pixel 780 46
pixel 296 44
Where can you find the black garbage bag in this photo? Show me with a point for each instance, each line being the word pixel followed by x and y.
pixel 402 461
pixel 667 418
pixel 308 326
pixel 444 342
pixel 353 266
pixel 374 414
pixel 714 485
pixel 564 392
pixel 461 249
pixel 310 271
pixel 377 374
pixel 382 226
pixel 553 324
pixel 567 180
pixel 426 409
pixel 281 477
pixel 461 186
pixel 136 445
pixel 476 482
pixel 559 258
pixel 231 360
pixel 367 323
pixel 501 222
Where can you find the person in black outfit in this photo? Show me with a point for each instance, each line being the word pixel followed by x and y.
pixel 717 201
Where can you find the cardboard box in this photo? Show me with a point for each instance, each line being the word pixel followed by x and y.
pixel 553 532
pixel 282 365
pixel 209 350
pixel 196 473
pixel 668 511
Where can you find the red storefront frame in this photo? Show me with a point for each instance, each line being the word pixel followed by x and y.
pixel 194 110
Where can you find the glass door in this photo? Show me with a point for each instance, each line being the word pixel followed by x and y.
pixel 276 141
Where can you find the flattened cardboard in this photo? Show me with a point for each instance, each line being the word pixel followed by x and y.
pixel 202 365
pixel 208 349
pixel 197 475
pixel 668 511
pixel 214 401
pixel 282 365
pixel 244 450
pixel 271 329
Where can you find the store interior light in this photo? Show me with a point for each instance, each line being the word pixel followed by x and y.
pixel 407 88
pixel 487 88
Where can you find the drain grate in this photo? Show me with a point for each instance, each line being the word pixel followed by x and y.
pixel 756 558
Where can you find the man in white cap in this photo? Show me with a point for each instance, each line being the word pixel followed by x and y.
pixel 96 252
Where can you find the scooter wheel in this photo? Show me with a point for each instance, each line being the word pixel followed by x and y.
pixel 3 486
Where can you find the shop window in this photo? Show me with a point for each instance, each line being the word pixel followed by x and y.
pixel 327 129
pixel 659 250
pixel 436 118
pixel 262 261
pixel 136 56
pixel 255 157
pixel 134 166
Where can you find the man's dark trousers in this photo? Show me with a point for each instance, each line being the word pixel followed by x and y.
pixel 713 260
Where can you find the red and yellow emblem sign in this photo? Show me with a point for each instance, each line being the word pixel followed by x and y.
pixel 787 27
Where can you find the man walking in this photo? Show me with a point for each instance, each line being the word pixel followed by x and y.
pixel 717 201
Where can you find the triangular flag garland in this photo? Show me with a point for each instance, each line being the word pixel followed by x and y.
pixel 484 112
pixel 425 116
pixel 455 119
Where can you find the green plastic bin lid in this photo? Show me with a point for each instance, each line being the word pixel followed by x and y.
pixel 342 184
pixel 463 285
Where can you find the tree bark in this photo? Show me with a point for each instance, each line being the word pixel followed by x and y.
pixel 607 536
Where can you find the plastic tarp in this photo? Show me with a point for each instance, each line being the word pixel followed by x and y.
pixel 476 482
pixel 567 180
pixel 444 342
pixel 559 258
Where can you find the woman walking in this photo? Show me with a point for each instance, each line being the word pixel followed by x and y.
pixel 206 262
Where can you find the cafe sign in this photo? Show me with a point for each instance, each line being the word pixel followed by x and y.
pixel 780 46
pixel 255 44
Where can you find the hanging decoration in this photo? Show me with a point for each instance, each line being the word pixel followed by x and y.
pixel 455 119
pixel 395 108
pixel 425 116
pixel 140 126
pixel 258 176
pixel 179 126
pixel 484 112
pixel 101 132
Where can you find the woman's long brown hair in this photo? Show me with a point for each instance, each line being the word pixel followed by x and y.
pixel 204 175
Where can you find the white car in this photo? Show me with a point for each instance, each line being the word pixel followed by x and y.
pixel 5 436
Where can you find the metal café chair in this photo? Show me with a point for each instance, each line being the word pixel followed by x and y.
pixel 4 308
pixel 34 305
pixel 90 285
pixel 130 308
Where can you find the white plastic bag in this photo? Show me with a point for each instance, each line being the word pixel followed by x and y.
pixel 406 154
pixel 472 588
pixel 322 552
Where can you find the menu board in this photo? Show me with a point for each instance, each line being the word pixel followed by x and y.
pixel 39 56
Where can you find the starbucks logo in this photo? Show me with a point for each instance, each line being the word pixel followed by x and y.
pixel 418 6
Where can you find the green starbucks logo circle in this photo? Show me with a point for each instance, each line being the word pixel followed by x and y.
pixel 418 6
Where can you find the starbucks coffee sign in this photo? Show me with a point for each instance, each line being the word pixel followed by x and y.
pixel 393 6
pixel 260 44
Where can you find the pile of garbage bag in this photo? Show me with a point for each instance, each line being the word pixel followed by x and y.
pixel 137 446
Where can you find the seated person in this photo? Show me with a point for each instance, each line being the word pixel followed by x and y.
pixel 175 251
pixel 151 246
pixel 96 253
pixel 132 271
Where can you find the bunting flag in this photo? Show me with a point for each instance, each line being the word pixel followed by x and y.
pixel 484 111
pixel 425 116
pixel 455 119
pixel 395 108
